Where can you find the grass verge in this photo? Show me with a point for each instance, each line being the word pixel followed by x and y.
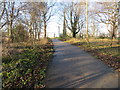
pixel 25 64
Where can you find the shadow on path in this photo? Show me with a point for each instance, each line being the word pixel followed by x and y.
pixel 72 67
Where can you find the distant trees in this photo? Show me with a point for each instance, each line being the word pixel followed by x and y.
pixel 12 13
pixel 2 9
pixel 9 13
pixel 71 17
pixel 35 16
pixel 34 23
pixel 108 14
pixel 62 11
pixel 94 28
pixel 25 17
pixel 75 18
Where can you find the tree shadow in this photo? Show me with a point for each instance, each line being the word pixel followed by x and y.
pixel 72 67
pixel 84 80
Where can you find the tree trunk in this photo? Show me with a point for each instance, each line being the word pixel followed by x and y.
pixel 45 25
pixel 11 32
pixel 113 36
pixel 113 33
pixel 45 30
pixel 38 35
pixel 39 30
pixel 64 25
pixel 74 35
pixel 87 39
pixel 36 31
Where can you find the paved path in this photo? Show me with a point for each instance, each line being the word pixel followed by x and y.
pixel 72 67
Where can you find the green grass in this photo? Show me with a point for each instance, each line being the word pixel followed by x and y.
pixel 110 51
pixel 26 67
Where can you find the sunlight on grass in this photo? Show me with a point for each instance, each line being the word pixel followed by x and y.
pixel 102 49
pixel 74 40
pixel 110 51
pixel 100 44
pixel 44 41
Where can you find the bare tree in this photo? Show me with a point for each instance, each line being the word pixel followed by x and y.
pixel 87 21
pixel 109 16
pixel 9 17
pixel 64 21
pixel 47 14
pixel 94 27
pixel 62 12
pixel 2 8
pixel 34 21
pixel 119 20
pixel 75 18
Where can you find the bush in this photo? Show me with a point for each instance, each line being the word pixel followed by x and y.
pixel 20 34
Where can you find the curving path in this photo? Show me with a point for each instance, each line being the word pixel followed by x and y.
pixel 72 67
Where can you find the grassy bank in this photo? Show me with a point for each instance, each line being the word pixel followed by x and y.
pixel 24 64
pixel 100 48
